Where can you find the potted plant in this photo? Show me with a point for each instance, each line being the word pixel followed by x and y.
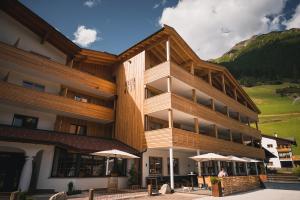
pixel 216 187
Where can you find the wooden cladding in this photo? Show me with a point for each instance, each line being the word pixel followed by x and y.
pixel 63 124
pixel 166 69
pixel 171 101
pixel 178 138
pixel 55 71
pixel 24 97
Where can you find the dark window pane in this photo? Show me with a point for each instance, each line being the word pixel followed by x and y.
pixel 25 121
pixel 155 165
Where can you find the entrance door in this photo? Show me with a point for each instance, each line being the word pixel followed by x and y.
pixel 11 165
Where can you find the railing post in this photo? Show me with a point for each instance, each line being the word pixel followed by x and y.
pixel 91 194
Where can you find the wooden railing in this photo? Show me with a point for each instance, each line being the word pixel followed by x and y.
pixel 171 69
pixel 20 60
pixel 169 100
pixel 17 95
pixel 178 138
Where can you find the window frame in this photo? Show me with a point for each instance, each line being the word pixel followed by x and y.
pixel 77 126
pixel 160 159
pixel 33 86
pixel 23 117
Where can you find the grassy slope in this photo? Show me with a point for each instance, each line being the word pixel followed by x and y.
pixel 279 114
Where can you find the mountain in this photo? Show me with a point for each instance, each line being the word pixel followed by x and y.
pixel 272 56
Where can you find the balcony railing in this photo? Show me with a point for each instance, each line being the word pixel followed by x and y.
pixel 26 62
pixel 17 95
pixel 178 138
pixel 166 69
pixel 171 101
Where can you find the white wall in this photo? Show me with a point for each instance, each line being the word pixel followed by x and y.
pixel 264 142
pixel 46 120
pixel 11 30
pixel 186 165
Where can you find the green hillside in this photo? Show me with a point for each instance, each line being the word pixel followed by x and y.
pixel 280 114
pixel 275 55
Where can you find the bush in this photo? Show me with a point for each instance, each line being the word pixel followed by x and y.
pixel 296 171
pixel 132 175
pixel 214 180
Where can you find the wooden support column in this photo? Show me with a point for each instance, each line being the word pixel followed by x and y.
pixel 146 92
pixel 192 70
pixel 146 123
pixel 170 118
pixel 64 91
pixel 230 133
pixel 215 130
pixel 223 83
pixel 235 94
pixel 169 83
pixel 209 77
pixel 194 98
pixel 248 121
pixel 196 125
pixel 256 125
pixel 168 50
pixel 226 110
pixel 212 104
pixel 242 136
pixel 70 62
pixel 239 116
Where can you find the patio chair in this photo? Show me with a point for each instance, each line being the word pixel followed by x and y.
pixel 59 196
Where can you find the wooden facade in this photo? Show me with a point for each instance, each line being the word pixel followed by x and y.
pixel 17 95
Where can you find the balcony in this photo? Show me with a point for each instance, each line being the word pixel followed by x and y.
pixel 28 63
pixel 166 69
pixel 20 96
pixel 178 138
pixel 185 106
pixel 284 150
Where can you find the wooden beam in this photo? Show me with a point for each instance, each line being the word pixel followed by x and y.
pixel 168 50
pixel 248 121
pixel 235 94
pixel 223 83
pixel 209 77
pixel 170 118
pixel 256 125
pixel 194 97
pixel 239 116
pixel 227 110
pixel 192 69
pixel 212 104
pixel 196 125
pixel 169 83
pixel 215 131
pixel 230 133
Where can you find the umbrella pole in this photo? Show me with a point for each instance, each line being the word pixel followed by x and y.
pixel 107 163
pixel 256 169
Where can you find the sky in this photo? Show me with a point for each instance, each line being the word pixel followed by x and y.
pixel 210 27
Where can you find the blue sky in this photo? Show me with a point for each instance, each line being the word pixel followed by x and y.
pixel 211 27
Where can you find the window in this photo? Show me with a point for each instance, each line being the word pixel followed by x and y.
pixel 34 86
pixel 155 165
pixel 78 129
pixel 68 164
pixel 25 121
pixel 80 98
pixel 175 166
pixel 270 145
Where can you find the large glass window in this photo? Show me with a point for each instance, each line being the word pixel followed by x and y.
pixel 67 164
pixel 175 166
pixel 25 121
pixel 155 165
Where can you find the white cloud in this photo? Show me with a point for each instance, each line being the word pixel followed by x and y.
pixel 85 36
pixel 161 3
pixel 212 27
pixel 91 3
pixel 294 22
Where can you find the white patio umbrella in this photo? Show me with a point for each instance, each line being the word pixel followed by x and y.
pixel 210 156
pixel 250 160
pixel 235 159
pixel 114 153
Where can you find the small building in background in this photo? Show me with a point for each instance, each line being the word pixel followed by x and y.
pixel 282 149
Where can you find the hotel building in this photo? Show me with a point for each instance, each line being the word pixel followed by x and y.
pixel 158 100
